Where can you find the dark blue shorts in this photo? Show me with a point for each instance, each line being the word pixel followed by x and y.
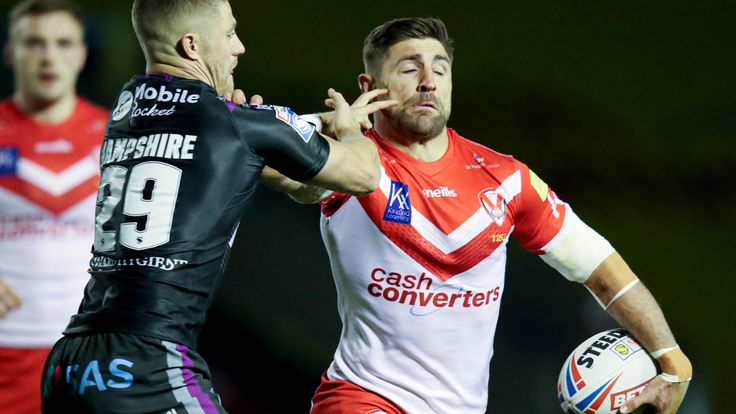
pixel 121 373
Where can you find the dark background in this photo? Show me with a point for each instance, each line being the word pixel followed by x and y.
pixel 626 108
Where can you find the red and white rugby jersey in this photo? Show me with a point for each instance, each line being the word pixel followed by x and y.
pixel 48 186
pixel 419 268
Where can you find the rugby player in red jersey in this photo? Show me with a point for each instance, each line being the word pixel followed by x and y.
pixel 49 144
pixel 419 263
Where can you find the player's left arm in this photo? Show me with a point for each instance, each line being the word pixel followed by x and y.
pixel 625 298
pixel 549 226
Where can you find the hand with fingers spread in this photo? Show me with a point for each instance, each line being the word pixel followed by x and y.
pixel 9 300
pixel 360 110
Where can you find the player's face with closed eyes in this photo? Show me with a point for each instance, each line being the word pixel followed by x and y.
pixel 47 53
pixel 418 73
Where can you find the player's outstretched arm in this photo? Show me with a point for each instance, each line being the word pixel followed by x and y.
pixel 9 300
pixel 636 310
pixel 352 166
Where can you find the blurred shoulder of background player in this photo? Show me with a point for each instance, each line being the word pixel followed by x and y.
pixel 48 177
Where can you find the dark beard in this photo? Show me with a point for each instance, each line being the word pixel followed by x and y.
pixel 421 129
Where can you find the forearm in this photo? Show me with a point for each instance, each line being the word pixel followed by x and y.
pixel 632 305
pixel 299 192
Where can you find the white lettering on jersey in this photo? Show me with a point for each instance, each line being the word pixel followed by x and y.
pixel 169 146
pixel 149 93
pixel 439 192
pixel 102 263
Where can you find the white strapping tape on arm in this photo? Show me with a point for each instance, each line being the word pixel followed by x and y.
pixel 658 353
pixel 621 293
pixel 576 250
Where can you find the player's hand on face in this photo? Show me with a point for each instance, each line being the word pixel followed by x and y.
pixel 238 97
pixel 666 397
pixel 360 110
pixel 9 300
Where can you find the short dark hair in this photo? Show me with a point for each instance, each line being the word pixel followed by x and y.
pixel 381 38
pixel 38 7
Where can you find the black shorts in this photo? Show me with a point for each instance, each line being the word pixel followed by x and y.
pixel 121 373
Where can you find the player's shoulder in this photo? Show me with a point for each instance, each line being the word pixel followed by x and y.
pixel 8 110
pixel 91 109
pixel 483 154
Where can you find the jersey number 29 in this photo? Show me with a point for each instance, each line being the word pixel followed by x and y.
pixel 148 199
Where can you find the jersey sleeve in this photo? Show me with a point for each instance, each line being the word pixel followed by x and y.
pixel 284 140
pixel 548 226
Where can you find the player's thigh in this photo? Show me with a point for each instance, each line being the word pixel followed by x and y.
pixel 344 397
pixel 20 374
pixel 119 373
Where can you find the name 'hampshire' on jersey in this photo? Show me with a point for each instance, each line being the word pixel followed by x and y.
pixel 178 168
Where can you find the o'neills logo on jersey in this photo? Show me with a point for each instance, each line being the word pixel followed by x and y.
pixel 439 192
pixel 494 204
pixel 418 292
pixel 398 207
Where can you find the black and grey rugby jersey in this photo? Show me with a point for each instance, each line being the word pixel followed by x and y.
pixel 179 165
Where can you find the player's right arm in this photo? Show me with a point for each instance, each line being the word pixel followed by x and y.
pixel 352 166
pixel 9 300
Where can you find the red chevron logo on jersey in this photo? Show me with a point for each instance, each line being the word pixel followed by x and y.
pixel 54 186
pixel 443 254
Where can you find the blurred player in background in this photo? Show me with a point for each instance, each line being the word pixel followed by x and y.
pixel 49 145
pixel 419 263
pixel 179 165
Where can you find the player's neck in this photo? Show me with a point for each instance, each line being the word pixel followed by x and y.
pixel 47 112
pixel 184 71
pixel 426 149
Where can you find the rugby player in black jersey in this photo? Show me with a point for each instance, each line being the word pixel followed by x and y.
pixel 179 164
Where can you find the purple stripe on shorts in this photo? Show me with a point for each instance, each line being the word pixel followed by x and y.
pixel 195 390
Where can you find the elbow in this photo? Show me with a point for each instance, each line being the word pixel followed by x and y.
pixel 368 184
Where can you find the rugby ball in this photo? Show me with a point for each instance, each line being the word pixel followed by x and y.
pixel 603 372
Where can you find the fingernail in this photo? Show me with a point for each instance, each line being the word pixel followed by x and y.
pixel 624 410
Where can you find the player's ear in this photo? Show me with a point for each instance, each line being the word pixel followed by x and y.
pixel 189 46
pixel 366 83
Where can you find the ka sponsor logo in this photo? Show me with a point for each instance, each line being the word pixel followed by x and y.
pixel 398 208
pixel 494 204
pixel 8 161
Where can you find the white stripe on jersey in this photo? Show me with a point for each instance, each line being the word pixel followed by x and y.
pixel 447 243
pixel 57 184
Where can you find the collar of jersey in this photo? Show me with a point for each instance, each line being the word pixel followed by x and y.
pixel 428 168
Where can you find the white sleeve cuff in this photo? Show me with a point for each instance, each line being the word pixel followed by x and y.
pixel 576 250
pixel 313 119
